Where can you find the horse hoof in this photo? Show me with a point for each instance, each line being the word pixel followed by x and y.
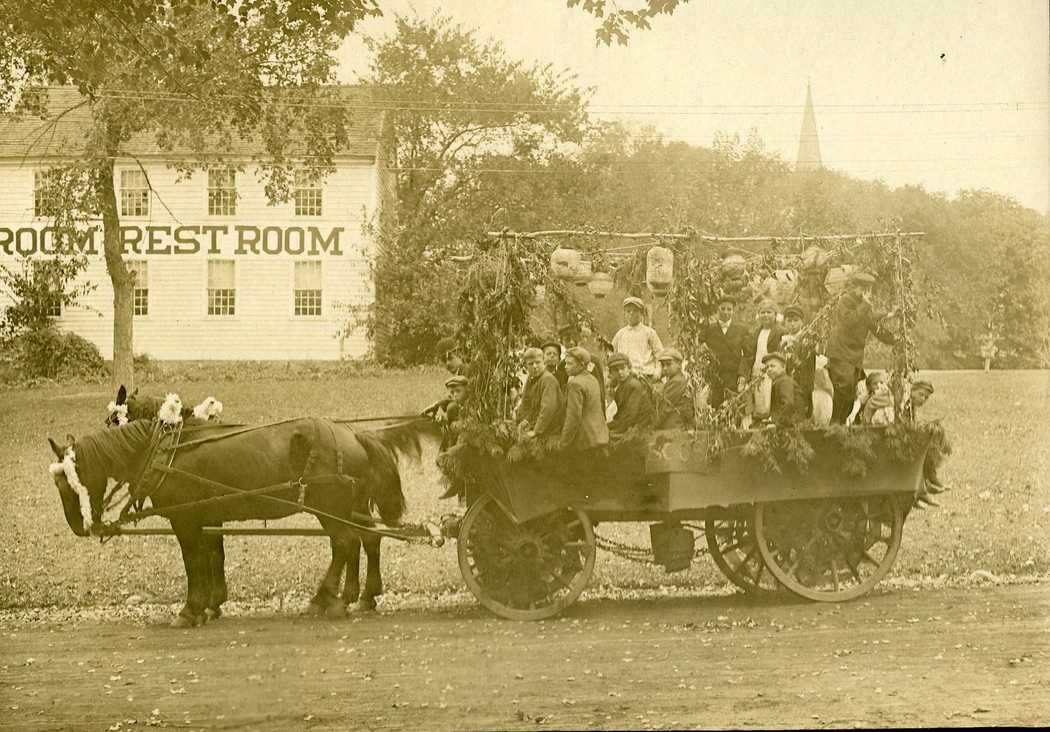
pixel 365 606
pixel 314 609
pixel 181 621
pixel 212 613
pixel 335 612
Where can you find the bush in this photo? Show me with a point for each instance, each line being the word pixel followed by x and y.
pixel 51 354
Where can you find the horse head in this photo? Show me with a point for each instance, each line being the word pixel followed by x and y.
pixel 81 512
pixel 91 474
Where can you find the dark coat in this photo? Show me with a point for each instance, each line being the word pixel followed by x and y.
pixel 801 366
pixel 542 404
pixel 674 404
pixel 634 405
pixel 851 323
pixel 584 426
pixel 772 344
pixel 730 350
pixel 560 374
pixel 784 402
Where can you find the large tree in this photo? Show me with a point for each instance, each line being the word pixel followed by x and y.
pixel 465 113
pixel 195 77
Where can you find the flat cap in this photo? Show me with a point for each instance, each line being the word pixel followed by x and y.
pixel 923 384
pixel 861 277
pixel 618 359
pixel 725 297
pixel 550 343
pixel 670 354
pixel 455 381
pixel 580 353
pixel 445 345
pixel 774 356
pixel 634 302
pixel 794 310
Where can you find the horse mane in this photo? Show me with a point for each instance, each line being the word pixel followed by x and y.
pixel 405 437
pixel 383 479
pixel 117 446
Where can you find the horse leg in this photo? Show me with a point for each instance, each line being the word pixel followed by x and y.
pixel 217 571
pixel 352 589
pixel 195 560
pixel 326 600
pixel 373 577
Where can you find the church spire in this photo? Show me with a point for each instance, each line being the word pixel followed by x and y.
pixel 808 143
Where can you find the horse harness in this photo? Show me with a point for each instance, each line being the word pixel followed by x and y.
pixel 165 438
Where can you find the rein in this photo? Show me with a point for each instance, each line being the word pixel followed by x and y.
pixel 364 524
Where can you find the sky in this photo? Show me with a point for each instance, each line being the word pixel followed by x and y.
pixel 949 94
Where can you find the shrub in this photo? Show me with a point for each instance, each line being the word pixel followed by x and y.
pixel 48 353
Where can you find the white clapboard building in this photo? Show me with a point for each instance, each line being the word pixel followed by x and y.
pixel 220 273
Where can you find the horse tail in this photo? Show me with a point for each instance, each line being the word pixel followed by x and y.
pixel 383 479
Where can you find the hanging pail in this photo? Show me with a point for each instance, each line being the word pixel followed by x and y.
pixel 837 278
pixel 564 263
pixel 601 284
pixel 659 270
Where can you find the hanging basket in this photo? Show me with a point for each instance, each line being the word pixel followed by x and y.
pixel 659 270
pixel 601 284
pixel 564 263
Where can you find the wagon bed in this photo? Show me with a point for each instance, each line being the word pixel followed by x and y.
pixel 526 545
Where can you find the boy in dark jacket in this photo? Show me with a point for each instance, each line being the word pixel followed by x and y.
pixel 634 404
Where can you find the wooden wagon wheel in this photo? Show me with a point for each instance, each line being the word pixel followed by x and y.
pixel 526 571
pixel 731 543
pixel 830 549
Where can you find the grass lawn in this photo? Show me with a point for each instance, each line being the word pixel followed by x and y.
pixel 995 519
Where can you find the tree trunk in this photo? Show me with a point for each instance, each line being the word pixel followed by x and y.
pixel 123 365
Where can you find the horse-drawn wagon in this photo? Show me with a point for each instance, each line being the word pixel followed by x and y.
pixel 527 543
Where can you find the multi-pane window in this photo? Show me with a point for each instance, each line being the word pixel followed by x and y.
pixel 307 193
pixel 307 288
pixel 44 271
pixel 45 192
pixel 140 289
pixel 222 191
pixel 221 288
pixel 134 193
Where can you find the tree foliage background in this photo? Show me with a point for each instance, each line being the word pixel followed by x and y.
pixel 491 144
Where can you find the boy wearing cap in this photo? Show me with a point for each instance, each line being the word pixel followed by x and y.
pixel 727 341
pixel 539 414
pixel 764 339
pixel 448 351
pixel 634 404
pixel 674 398
pixel 584 428
pixel 783 405
pixel 801 360
pixel 552 360
pixel 638 341
pixel 854 318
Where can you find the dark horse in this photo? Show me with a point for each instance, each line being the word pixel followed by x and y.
pixel 145 407
pixel 267 455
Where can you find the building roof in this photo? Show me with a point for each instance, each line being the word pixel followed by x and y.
pixel 62 131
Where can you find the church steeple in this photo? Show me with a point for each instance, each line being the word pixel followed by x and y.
pixel 808 143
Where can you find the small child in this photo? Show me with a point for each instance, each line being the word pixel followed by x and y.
pixel 783 404
pixel 879 406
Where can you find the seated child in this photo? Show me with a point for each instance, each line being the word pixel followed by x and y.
pixel 879 406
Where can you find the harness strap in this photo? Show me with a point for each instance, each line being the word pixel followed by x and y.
pixel 234 493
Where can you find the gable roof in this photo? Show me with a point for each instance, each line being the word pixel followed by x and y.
pixel 61 132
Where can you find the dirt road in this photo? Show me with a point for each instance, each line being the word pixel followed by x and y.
pixel 942 658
